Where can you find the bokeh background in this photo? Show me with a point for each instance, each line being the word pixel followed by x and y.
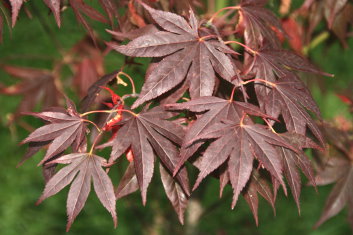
pixel 32 44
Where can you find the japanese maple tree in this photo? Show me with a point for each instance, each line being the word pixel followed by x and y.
pixel 220 95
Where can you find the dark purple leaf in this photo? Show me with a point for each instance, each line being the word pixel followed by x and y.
pixel 64 130
pixel 290 98
pixel 241 144
pixel 146 133
pixel 182 47
pixel 219 109
pixel 259 24
pixel 82 169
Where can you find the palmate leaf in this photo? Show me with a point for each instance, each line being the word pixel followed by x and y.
pixel 259 23
pixel 217 110
pixel 83 168
pixel 241 143
pixel 65 129
pixel 186 54
pixel 270 64
pixel 146 133
pixel 290 98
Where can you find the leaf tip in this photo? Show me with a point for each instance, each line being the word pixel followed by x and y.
pixel 68 226
pixel 196 185
pixel 39 201
pixel 137 103
pixel 144 197
pixel 176 170
pixel 115 220
pixel 181 218
pixel 329 75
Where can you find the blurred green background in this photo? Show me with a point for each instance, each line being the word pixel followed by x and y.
pixel 21 187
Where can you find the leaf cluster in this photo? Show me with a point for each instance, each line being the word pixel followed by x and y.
pixel 220 95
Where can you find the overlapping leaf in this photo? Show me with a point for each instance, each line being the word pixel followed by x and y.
pixel 217 110
pixel 187 54
pixel 146 133
pixel 241 144
pixel 83 168
pixel 270 64
pixel 191 59
pixel 64 129
pixel 259 24
pixel 290 98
